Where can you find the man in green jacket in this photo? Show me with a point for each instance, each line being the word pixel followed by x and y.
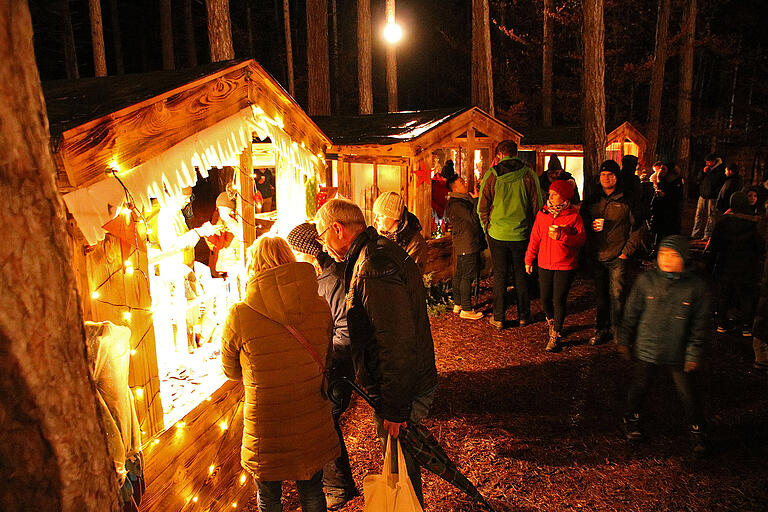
pixel 510 196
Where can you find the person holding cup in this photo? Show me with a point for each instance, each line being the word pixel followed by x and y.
pixel 557 236
pixel 614 234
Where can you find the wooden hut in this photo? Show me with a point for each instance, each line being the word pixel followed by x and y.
pixel 400 151
pixel 125 148
pixel 539 144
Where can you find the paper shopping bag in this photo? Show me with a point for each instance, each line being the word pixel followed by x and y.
pixel 390 492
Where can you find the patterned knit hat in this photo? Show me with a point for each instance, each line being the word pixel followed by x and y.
pixel 389 204
pixel 303 238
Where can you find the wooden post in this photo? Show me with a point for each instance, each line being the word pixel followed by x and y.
pixel 547 50
pixel 657 82
pixel 54 452
pixel 391 62
pixel 246 206
pixel 97 38
pixel 319 97
pixel 471 158
pixel 593 78
pixel 364 75
pixel 166 34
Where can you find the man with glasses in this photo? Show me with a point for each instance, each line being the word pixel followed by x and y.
pixel 392 348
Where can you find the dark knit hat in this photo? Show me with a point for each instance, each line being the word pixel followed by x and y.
pixel 303 238
pixel 679 244
pixel 554 164
pixel 563 188
pixel 739 202
pixel 610 166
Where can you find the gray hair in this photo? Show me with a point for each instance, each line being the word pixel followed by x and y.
pixel 343 211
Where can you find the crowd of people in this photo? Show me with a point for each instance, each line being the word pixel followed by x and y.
pixel 338 299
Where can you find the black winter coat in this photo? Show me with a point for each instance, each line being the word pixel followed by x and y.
pixel 711 181
pixel 389 328
pixel 667 321
pixel 731 184
pixel 736 248
pixel 465 224
pixel 622 231
pixel 667 209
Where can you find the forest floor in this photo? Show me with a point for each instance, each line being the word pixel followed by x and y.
pixel 541 431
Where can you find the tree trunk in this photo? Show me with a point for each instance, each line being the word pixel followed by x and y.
pixel 166 34
pixel 593 82
pixel 364 75
pixel 319 100
pixel 686 89
pixel 335 56
pixel 97 38
pixel 53 454
pixel 547 49
pixel 391 62
pixel 482 71
pixel 288 47
pixel 657 81
pixel 68 41
pixel 219 30
pixel 189 28
pixel 249 29
pixel 117 41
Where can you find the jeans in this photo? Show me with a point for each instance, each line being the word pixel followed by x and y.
pixel 704 221
pixel 337 474
pixel 609 291
pixel 419 411
pixel 467 269
pixel 684 383
pixel 554 286
pixel 310 494
pixel 503 254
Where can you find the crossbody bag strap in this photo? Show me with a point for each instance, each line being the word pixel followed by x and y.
pixel 301 339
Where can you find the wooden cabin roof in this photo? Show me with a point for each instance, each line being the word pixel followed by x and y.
pixel 383 129
pixel 574 135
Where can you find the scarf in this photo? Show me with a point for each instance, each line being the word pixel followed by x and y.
pixel 556 210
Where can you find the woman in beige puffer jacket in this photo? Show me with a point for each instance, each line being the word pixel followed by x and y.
pixel 288 429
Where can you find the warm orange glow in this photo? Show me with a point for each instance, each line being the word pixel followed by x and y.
pixel 95 295
pixel 223 425
pixel 393 33
pixel 211 468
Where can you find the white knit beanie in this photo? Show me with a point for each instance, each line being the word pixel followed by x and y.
pixel 389 204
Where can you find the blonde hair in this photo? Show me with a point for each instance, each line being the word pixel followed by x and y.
pixel 343 211
pixel 268 252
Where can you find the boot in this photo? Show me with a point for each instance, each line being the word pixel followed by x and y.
pixel 698 440
pixel 456 308
pixel 554 342
pixel 550 326
pixel 470 314
pixel 631 427
pixel 498 324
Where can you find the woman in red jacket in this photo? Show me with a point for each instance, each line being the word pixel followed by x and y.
pixel 557 235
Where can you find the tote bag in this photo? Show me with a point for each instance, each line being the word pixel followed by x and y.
pixel 390 492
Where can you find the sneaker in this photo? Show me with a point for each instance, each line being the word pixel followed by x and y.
pixel 457 309
pixel 631 427
pixel 600 337
pixel 721 329
pixel 698 440
pixel 336 498
pixel 498 324
pixel 471 315
pixel 550 326
pixel 746 332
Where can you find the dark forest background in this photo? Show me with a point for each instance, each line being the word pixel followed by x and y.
pixel 730 103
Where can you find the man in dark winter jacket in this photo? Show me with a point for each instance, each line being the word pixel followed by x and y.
pixel 710 180
pixel 554 173
pixel 467 245
pixel 392 346
pixel 731 184
pixel 613 234
pixel 338 483
pixel 736 249
pixel 510 197
pixel 666 324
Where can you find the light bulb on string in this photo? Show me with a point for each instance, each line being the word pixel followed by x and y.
pixel 127 316
pixel 95 294
pixel 211 468
pixel 133 351
pixel 194 500
pixel 223 425
pixel 242 479
pixel 139 393
pixel 129 271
